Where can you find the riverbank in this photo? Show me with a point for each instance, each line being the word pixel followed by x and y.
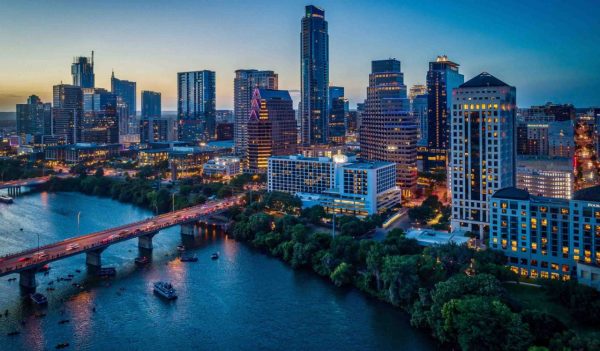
pixel 455 293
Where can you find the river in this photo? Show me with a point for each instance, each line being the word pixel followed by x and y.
pixel 243 301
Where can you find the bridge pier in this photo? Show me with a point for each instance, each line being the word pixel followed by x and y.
pixel 189 229
pixel 145 241
pixel 14 191
pixel 94 258
pixel 27 279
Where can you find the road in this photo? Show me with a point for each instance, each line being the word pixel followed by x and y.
pixel 36 258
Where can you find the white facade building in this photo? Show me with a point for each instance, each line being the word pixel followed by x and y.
pixel 482 148
pixel 225 166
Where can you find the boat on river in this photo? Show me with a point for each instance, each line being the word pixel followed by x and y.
pixel 165 290
pixel 6 199
pixel 38 299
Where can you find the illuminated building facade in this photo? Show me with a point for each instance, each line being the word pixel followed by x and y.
pixel 340 184
pixel 196 115
pixel 338 111
pixel 271 128
pixel 88 153
pixel 186 162
pixel 388 129
pixel 483 150
pixel 442 77
pixel 34 118
pixel 126 90
pixel 548 238
pixel 314 77
pixel 547 177
pixel 546 138
pixel 82 71
pixel 244 83
pixel 67 112
pixel 224 166
pixel 100 122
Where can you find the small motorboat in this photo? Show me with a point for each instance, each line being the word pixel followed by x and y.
pixel 189 258
pixel 141 260
pixel 63 321
pixel 180 248
pixel 6 199
pixel 62 345
pixel 215 256
pixel 165 290
pixel 38 299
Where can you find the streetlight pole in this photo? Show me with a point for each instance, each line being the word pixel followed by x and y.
pixel 173 202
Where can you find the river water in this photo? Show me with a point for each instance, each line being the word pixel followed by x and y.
pixel 243 301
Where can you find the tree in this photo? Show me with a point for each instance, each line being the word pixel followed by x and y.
pixel 99 172
pixel 399 275
pixel 375 263
pixel 542 325
pixel 481 323
pixel 342 274
pixel 314 214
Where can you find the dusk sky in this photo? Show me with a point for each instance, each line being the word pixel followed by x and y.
pixel 549 50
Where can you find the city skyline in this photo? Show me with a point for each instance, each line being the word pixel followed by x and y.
pixel 519 42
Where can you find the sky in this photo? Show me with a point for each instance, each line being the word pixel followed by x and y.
pixel 548 49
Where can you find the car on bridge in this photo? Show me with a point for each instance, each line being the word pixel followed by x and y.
pixel 24 259
pixel 73 246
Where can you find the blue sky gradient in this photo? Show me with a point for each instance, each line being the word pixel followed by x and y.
pixel 549 50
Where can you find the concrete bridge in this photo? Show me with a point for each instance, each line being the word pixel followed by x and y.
pixel 14 187
pixel 191 219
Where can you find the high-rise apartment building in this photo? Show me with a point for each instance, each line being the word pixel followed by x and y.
pixel 271 128
pixel 196 105
pixel 100 122
pixel 442 77
pixel 338 112
pixel 314 77
pixel 153 128
pixel 483 148
pixel 82 71
pixel 546 138
pixel 67 112
pixel 546 176
pixel 244 83
pixel 126 90
pixel 389 131
pixel 34 118
pixel 151 104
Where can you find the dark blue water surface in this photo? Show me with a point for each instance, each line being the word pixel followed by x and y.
pixel 243 301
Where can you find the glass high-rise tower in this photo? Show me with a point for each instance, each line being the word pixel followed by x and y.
pixel 388 129
pixel 442 77
pixel 34 118
pixel 126 90
pixel 82 71
pixel 246 80
pixel 314 73
pixel 196 106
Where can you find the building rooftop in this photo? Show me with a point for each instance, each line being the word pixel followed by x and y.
pixel 588 194
pixel 512 193
pixel 274 94
pixel 429 237
pixel 368 164
pixel 484 79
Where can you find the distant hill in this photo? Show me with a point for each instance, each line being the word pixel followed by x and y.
pixel 8 116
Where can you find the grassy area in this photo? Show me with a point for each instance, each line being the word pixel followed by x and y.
pixel 535 298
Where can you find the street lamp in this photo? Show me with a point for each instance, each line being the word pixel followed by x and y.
pixel 78 216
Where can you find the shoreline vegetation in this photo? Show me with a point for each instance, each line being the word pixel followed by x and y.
pixel 458 294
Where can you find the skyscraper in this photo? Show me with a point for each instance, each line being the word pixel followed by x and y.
pixel 271 128
pixel 338 111
pixel 34 118
pixel 442 77
pixel 67 112
pixel 100 123
pixel 82 71
pixel 483 148
pixel 126 90
pixel 244 83
pixel 151 104
pixel 388 130
pixel 314 74
pixel 196 105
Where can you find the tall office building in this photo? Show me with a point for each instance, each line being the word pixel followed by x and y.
pixel 483 148
pixel 415 90
pixel 34 118
pixel 338 112
pixel 82 71
pixel 67 112
pixel 314 74
pixel 244 83
pixel 196 105
pixel 126 90
pixel 389 130
pixel 442 77
pixel 100 123
pixel 152 127
pixel 271 128
pixel 151 104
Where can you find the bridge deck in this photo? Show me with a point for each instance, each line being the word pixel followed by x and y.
pixel 29 259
